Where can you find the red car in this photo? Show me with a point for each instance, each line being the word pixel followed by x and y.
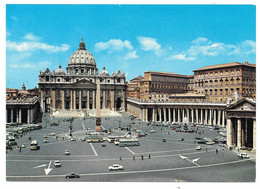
pixel 173 128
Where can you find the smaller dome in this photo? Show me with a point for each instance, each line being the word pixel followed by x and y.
pixel 104 72
pixel 59 70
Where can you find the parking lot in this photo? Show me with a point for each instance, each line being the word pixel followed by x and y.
pixel 170 161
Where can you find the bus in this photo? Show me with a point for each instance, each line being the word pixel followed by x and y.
pixel 112 139
pixel 34 145
pixel 128 142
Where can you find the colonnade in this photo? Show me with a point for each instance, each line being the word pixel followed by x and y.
pixel 203 116
pixel 20 115
pixel 241 132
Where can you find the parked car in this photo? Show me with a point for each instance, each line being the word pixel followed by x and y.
pixel 210 143
pixel 201 141
pixel 45 141
pixel 198 148
pixel 23 146
pixel 103 144
pixel 72 139
pixel 57 163
pixel 72 175
pixel 67 152
pixel 243 155
pixel 153 131
pixel 181 139
pixel 164 140
pixel 115 167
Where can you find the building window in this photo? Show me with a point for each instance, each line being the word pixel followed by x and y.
pixel 58 80
pixel 118 80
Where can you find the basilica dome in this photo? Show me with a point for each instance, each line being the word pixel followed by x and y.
pixel 59 71
pixel 82 56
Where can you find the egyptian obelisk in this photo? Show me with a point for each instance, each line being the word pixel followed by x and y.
pixel 98 113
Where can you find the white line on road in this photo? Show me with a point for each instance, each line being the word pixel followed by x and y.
pixel 83 125
pixel 93 149
pixel 129 150
pixel 143 171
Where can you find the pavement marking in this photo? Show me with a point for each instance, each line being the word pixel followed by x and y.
pixel 83 125
pixel 131 172
pixel 129 150
pixel 93 149
pixel 192 161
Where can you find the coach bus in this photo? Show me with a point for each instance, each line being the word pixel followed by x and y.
pixel 112 139
pixel 34 145
pixel 128 142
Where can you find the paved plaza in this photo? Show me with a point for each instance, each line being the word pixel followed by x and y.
pixel 170 161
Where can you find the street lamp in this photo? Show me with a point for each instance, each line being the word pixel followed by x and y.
pixel 70 126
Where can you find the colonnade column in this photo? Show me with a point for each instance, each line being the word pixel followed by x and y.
pixel 169 114
pixel 104 100
pixel 62 100
pixel 71 100
pixel 74 107
pixel 197 116
pixel 146 114
pixel 160 114
pixel 94 100
pixel 188 115
pixel 201 116
pixel 164 114
pixel 183 111
pixel 20 115
pixel 215 117
pixel 210 117
pixel 112 98
pixel 223 118
pixel 174 120
pixel 206 117
pixel 80 100
pixel 179 115
pixel 229 132
pixel 153 114
pixel 219 114
pixel 28 115
pixel 12 115
pixel 239 142
pixel 88 99
pixel 192 116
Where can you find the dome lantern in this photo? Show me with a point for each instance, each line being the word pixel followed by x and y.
pixel 82 45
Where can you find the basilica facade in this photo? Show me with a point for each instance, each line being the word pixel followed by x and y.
pixel 76 88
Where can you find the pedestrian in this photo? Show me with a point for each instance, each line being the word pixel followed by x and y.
pixel 238 150
pixel 149 156
pixel 120 158
pixel 133 157
pixel 216 151
pixel 168 132
pixel 142 156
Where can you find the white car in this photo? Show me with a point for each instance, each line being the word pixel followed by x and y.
pixel 198 148
pixel 153 131
pixel 115 167
pixel 67 152
pixel 57 163
pixel 45 141
pixel 243 155
pixel 72 139
pixel 210 143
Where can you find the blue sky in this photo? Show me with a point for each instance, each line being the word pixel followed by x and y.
pixel 130 38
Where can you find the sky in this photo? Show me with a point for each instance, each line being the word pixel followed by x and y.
pixel 129 38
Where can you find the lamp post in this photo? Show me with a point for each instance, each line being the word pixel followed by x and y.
pixel 70 127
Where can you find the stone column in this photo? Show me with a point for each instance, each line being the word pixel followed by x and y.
pixel 174 120
pixel 17 115
pixel 62 100
pixel 104 100
pixel 20 115
pixel 239 141
pixel 94 99
pixel 80 107
pixel 243 136
pixel 206 117
pixel 229 132
pixel 160 114
pixel 219 114
pixel 88 99
pixel 98 113
pixel 53 99
pixel 12 115
pixel 75 100
pixel 254 134
pixel 223 118
pixel 28 116
pixel 210 117
pixel 188 115
pixel 215 117
pixel 169 114
pixel 155 114
pixel 31 115
pixel 164 115
pixel 201 116
pixel 192 115
pixel 183 115
pixel 71 100
pixel 179 115
pixel 143 114
pixel 42 103
pixel 197 116
pixel 112 99
pixel 123 100
pixel 146 114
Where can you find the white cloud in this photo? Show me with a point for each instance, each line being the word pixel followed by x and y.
pixel 34 46
pixel 113 45
pixel 201 40
pixel 248 46
pixel 28 64
pixel 131 55
pixel 149 44
pixel 14 18
pixel 31 37
pixel 181 56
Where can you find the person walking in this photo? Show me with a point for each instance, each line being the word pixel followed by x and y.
pixel 216 151
pixel 133 157
pixel 142 156
pixel 149 156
